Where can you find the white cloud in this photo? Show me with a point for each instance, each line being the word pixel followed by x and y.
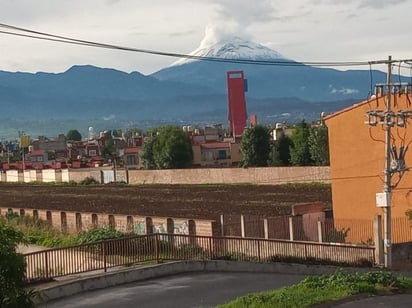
pixel 305 30
pixel 344 91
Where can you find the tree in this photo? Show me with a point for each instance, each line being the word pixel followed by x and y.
pixel 168 148
pixel 280 155
pixel 255 146
pixel 108 151
pixel 299 150
pixel 73 135
pixel 12 269
pixel 318 145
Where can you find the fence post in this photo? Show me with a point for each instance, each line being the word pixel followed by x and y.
pixel 266 228
pixel 377 232
pixel 320 231
pixel 157 247
pixel 291 228
pixel 104 255
pixel 210 248
pixel 46 261
pixel 259 258
pixel 242 225
pixel 222 225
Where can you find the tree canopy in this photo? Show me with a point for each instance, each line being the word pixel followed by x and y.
pixel 169 147
pixel 255 146
pixel 299 150
pixel 73 135
pixel 319 145
pixel 280 155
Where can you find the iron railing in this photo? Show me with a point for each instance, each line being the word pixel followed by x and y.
pixel 53 263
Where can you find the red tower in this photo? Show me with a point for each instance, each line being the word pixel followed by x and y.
pixel 236 88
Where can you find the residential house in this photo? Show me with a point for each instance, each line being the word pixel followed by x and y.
pixel 357 158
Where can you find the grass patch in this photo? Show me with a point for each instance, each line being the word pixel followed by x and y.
pixel 325 288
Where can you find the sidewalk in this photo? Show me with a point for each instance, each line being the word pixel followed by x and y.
pixel 381 301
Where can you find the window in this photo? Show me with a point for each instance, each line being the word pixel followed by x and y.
pixel 131 160
pixel 92 153
pixel 222 154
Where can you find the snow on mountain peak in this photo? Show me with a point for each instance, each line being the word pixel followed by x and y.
pixel 232 48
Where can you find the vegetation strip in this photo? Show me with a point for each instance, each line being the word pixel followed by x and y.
pixel 316 290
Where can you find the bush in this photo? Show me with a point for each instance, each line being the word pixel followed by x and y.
pixel 98 234
pixel 336 236
pixel 89 181
pixel 12 269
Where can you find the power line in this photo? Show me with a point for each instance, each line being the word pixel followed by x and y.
pixel 69 40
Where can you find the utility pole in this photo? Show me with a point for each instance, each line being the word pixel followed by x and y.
pixel 387 242
pixel 394 161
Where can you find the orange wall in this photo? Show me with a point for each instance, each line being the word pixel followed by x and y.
pixel 357 160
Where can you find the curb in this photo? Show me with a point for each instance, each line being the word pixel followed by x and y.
pixel 59 289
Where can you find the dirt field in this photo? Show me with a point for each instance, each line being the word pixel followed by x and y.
pixel 165 200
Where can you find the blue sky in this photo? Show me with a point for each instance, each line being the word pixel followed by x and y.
pixel 304 30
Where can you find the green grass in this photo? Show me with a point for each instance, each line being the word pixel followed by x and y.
pixel 321 289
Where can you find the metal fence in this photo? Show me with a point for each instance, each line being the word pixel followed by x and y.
pixel 53 263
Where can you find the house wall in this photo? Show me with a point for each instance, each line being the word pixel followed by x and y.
pixel 13 176
pixel 30 176
pixel 357 160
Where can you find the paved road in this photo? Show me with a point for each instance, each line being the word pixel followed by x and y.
pixel 184 290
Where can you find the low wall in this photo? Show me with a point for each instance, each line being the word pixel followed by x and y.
pixel 72 222
pixel 264 175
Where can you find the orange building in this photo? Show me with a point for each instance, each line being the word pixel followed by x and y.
pixel 357 159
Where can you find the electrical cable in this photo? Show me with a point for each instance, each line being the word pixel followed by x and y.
pixel 64 39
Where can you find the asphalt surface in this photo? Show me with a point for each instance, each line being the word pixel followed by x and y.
pixel 192 290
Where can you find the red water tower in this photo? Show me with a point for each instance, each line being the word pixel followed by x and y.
pixel 236 88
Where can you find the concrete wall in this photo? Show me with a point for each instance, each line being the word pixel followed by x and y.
pixel 267 175
pixel 78 221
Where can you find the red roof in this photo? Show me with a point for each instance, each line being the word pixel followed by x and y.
pixel 131 150
pixel 37 152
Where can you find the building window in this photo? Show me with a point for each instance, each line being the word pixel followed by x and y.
pixel 92 153
pixel 131 160
pixel 222 154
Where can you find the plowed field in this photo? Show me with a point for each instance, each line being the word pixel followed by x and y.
pixel 195 201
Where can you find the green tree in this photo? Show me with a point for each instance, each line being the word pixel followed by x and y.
pixel 299 149
pixel 12 268
pixel 319 145
pixel 73 135
pixel 109 150
pixel 280 155
pixel 169 147
pixel 255 146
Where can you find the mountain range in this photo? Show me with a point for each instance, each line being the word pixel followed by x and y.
pixel 190 90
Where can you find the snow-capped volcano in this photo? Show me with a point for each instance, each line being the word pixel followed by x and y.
pixel 232 48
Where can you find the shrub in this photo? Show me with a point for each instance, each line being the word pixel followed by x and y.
pixel 12 269
pixel 336 236
pixel 89 181
pixel 98 234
